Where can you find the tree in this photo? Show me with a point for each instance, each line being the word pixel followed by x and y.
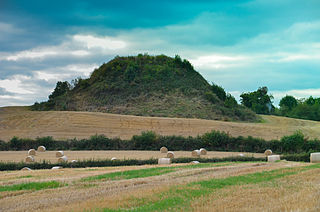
pixel 61 88
pixel 259 101
pixel 219 91
pixel 288 103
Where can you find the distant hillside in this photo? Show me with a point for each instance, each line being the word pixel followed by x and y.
pixel 147 86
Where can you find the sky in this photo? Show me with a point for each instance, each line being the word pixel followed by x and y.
pixel 239 45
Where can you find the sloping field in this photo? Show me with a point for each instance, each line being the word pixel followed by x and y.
pixel 21 122
pixel 282 186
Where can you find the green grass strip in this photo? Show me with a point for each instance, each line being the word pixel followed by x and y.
pixel 32 186
pixel 180 197
pixel 149 172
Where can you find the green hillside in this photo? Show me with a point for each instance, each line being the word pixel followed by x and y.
pixel 147 86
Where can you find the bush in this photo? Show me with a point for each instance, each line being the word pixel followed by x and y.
pixel 304 157
pixel 104 163
pixel 212 141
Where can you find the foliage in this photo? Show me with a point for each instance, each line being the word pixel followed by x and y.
pixel 214 140
pixel 304 157
pixel 287 103
pixel 61 88
pixel 303 108
pixel 6 166
pixel 219 91
pixel 259 101
pixel 230 101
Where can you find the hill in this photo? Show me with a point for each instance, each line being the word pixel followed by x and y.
pixel 146 85
pixel 21 122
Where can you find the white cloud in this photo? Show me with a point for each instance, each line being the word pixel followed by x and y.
pixel 76 46
pixel 303 93
pixel 33 54
pixel 65 72
pixel 16 85
pixel 100 42
pixel 218 61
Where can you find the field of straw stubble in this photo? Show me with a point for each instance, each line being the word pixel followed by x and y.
pixel 250 186
pixel 21 122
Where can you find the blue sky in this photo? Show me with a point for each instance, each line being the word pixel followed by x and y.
pixel 240 45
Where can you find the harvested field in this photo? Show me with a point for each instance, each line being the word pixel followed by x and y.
pixel 17 156
pixel 283 186
pixel 21 122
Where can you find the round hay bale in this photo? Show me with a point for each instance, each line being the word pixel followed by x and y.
pixel 170 155
pixel 196 153
pixel 241 155
pixel 26 169
pixel 163 149
pixel 268 152
pixel 74 161
pixel 59 154
pixel 195 162
pixel 41 149
pixel 203 151
pixel 32 152
pixel 273 158
pixel 315 157
pixel 56 167
pixel 63 159
pixel 164 161
pixel 29 159
pixel 114 158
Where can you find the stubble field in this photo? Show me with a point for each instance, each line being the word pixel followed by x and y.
pixel 250 186
pixel 21 122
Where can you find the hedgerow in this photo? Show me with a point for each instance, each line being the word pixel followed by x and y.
pixel 212 141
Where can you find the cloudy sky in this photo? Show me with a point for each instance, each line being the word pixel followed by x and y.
pixel 240 45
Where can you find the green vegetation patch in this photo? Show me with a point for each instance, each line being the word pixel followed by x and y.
pixel 32 186
pixel 149 172
pixel 180 197
pixel 26 176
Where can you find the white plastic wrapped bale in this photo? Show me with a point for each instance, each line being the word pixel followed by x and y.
pixel 273 158
pixel 196 153
pixel 59 154
pixel 163 149
pixel 41 149
pixel 74 161
pixel 29 159
pixel 170 155
pixel 268 152
pixel 203 151
pixel 32 152
pixel 164 161
pixel 315 157
pixel 114 158
pixel 195 162
pixel 63 159
pixel 241 155
pixel 26 169
pixel 56 167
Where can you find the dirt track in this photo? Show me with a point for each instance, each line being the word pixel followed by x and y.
pixel 18 121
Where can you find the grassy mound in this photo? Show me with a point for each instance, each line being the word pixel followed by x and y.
pixel 147 86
